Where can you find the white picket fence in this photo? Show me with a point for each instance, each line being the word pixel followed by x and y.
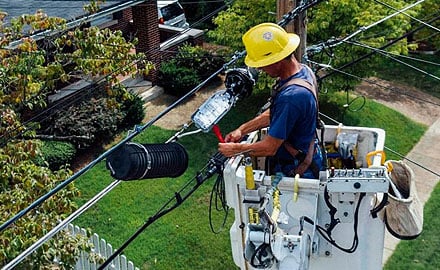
pixel 101 248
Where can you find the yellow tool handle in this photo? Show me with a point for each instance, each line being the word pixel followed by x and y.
pixel 295 188
pixel 373 153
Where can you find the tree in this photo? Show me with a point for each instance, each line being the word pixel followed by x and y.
pixel 21 183
pixel 339 19
pixel 428 35
pixel 30 70
pixel 238 18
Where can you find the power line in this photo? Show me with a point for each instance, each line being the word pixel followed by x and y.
pixel 364 28
pixel 406 14
pixel 412 161
pixel 428 37
pixel 400 91
pixel 412 58
pixel 327 44
pixel 60 226
pixel 394 59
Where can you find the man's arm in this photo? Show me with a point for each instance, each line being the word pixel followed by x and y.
pixel 266 147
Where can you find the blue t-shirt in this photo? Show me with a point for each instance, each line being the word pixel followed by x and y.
pixel 293 115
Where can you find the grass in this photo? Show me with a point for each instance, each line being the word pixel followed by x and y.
pixel 182 239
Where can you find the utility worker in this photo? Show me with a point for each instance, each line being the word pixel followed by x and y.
pixel 293 113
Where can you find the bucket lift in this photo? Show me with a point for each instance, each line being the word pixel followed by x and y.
pixel 295 223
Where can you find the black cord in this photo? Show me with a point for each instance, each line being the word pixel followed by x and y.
pixel 326 233
pixel 259 254
pixel 350 102
pixel 219 200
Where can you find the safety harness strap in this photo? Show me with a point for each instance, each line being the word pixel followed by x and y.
pixel 293 151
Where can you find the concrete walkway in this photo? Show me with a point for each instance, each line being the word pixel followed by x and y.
pixel 426 153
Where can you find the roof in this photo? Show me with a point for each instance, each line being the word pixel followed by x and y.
pixel 67 9
pixel 71 10
pixel 161 3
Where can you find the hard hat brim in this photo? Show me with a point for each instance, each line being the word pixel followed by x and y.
pixel 271 59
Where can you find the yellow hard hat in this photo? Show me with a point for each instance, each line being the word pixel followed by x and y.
pixel 268 43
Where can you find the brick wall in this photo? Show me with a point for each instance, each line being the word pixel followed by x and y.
pixel 124 24
pixel 146 26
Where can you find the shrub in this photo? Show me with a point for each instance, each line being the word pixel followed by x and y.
pixel 56 154
pixel 203 61
pixel 190 66
pixel 133 108
pixel 91 121
pixel 177 80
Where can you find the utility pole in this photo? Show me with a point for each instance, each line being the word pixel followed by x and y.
pixel 298 26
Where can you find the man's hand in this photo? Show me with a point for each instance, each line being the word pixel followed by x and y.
pixel 228 149
pixel 234 136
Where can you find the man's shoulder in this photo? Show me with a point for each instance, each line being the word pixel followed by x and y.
pixel 296 90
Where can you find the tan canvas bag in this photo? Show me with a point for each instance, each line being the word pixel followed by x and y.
pixel 403 214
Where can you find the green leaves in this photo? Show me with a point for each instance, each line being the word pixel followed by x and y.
pixel 242 15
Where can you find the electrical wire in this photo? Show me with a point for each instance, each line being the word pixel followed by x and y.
pixel 260 259
pixel 394 89
pixel 410 58
pixel 426 38
pixel 108 1
pixel 61 225
pixel 326 232
pixel 406 14
pixel 218 199
pixel 365 28
pixel 413 162
pixel 327 44
pixel 394 59
pixel 288 17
